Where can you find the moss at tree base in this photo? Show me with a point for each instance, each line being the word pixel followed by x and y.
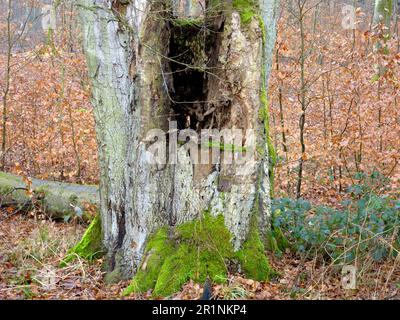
pixel 253 261
pixel 90 246
pixel 194 251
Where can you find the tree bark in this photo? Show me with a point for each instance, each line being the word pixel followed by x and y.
pixel 383 12
pixel 206 67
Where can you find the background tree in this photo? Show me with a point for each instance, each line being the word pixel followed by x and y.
pixel 382 23
pixel 17 23
pixel 383 12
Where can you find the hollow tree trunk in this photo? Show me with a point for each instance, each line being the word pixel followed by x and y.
pixel 180 67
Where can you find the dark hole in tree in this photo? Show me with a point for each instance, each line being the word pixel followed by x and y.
pixel 194 49
pixel 193 54
pixel 186 53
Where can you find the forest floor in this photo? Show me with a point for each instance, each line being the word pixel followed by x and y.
pixel 31 251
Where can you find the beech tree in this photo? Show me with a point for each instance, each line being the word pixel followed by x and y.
pixel 180 66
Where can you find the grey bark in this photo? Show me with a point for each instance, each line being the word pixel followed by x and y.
pixel 126 43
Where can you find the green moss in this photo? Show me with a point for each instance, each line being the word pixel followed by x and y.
pixel 253 260
pixel 158 249
pixel 175 271
pixel 277 242
pixel 264 115
pixel 246 8
pixel 195 250
pixel 263 29
pixel 90 246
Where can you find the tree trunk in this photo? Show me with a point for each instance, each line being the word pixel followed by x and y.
pixel 383 12
pixel 57 200
pixel 167 69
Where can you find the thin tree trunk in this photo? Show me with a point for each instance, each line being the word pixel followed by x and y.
pixel 383 13
pixel 282 123
pixel 7 88
pixel 303 93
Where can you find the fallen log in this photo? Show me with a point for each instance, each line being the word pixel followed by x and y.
pixel 57 200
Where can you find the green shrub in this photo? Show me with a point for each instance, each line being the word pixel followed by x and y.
pixel 367 225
